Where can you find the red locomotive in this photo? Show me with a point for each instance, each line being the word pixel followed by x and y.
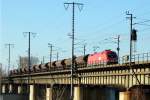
pixel 104 57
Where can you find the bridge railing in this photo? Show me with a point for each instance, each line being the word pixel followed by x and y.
pixel 141 58
pixel 136 59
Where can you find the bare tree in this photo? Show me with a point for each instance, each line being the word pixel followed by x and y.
pixel 2 74
pixel 0 77
pixel 23 61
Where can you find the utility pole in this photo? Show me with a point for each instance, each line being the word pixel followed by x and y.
pixel 57 55
pixel 29 55
pixel 73 19
pixel 43 60
pixel 84 49
pixel 50 55
pixel 118 48
pixel 131 21
pixel 9 56
pixel 131 28
pixel 118 45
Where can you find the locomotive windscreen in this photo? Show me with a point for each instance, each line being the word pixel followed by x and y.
pixel 112 55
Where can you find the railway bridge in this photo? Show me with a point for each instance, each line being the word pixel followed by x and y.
pixel 90 82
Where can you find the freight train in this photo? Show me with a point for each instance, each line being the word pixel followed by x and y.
pixel 104 57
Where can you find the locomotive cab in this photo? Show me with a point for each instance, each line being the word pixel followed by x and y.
pixel 112 57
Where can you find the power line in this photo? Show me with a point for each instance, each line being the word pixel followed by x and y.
pixel 95 48
pixel 109 26
pixel 115 42
pixel 143 24
pixel 144 14
pixel 145 29
pixel 80 6
pixel 58 52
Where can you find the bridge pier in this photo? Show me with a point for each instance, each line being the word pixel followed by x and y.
pixel 32 92
pixel 77 93
pixel 3 88
pixel 10 88
pixel 49 93
pixel 126 95
pixel 19 89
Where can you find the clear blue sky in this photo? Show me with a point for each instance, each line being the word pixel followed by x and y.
pixel 99 20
